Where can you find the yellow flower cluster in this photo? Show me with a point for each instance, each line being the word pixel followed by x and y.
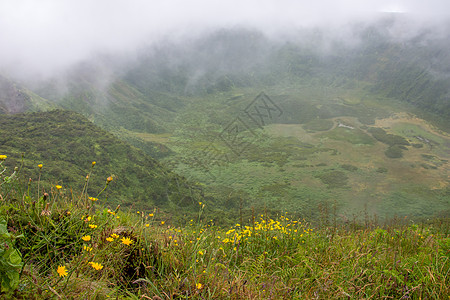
pixel 112 237
pixel 270 228
pixel 96 266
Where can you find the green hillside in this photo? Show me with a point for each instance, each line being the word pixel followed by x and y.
pixel 66 144
pixel 361 127
pixel 15 98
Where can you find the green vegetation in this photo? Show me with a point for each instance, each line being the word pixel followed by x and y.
pixel 349 167
pixel 333 178
pixel 10 259
pixel 74 246
pixel 316 158
pixel 354 136
pixel 319 125
pixel 175 101
pixel 66 144
pixel 387 138
pixel 394 152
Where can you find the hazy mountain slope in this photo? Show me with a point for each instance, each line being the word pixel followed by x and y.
pixel 145 93
pixel 175 99
pixel 411 69
pixel 16 99
pixel 66 143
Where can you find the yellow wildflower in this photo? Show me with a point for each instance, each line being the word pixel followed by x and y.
pixel 95 265
pixel 109 239
pixel 115 235
pixel 162 222
pixel 93 226
pixel 86 238
pixel 127 241
pixel 3 157
pixel 200 252
pixel 40 166
pixel 62 271
pixel 93 199
pixel 93 163
pixel 151 215
pixel 58 187
pixel 147 225
pixel 199 286
pixel 87 248
pixel 109 179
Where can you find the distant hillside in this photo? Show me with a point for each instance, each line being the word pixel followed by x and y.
pixel 16 99
pixel 146 93
pixel 66 143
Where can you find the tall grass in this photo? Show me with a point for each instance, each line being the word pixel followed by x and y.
pixel 77 246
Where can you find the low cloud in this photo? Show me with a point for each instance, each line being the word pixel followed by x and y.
pixel 40 38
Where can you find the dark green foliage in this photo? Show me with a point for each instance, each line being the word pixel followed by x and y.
pixel 10 259
pixel 66 144
pixel 333 178
pixel 394 152
pixel 387 138
pixel 414 84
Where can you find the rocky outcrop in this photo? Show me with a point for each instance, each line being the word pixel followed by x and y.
pixel 12 99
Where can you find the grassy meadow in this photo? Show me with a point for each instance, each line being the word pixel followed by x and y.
pixel 66 244
pixel 330 144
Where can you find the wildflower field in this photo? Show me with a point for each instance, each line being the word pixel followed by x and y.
pixel 57 243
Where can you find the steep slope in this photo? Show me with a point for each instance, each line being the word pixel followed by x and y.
pixel 16 99
pixel 66 143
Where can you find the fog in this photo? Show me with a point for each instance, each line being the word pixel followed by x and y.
pixel 42 38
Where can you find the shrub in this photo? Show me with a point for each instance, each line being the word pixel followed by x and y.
pixel 394 152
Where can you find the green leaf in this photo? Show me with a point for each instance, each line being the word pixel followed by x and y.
pixel 15 258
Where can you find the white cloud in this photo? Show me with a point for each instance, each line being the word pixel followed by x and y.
pixel 48 35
